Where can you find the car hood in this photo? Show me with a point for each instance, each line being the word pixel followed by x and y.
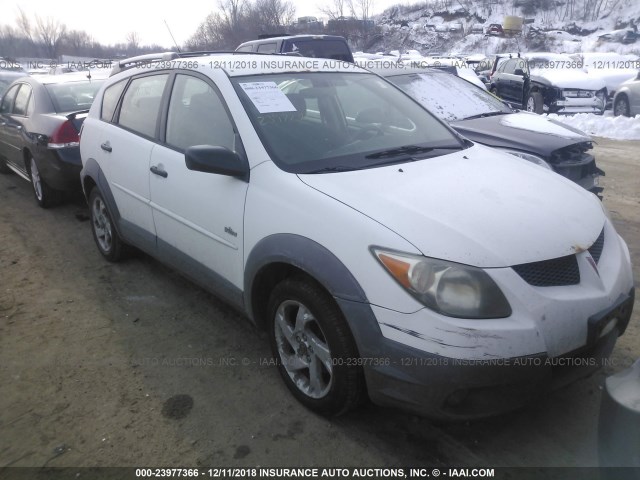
pixel 567 79
pixel 522 131
pixel 478 207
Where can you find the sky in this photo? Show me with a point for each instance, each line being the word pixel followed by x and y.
pixel 110 21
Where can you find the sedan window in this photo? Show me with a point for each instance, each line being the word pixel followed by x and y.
pixel 73 96
pixel 22 100
pixel 7 100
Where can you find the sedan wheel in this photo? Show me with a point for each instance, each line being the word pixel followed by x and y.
pixel 45 195
pixel 35 180
pixel 313 347
pixel 621 107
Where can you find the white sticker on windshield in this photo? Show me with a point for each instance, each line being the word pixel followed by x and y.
pixel 267 97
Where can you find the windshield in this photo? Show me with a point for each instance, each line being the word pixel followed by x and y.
pixel 312 122
pixel 73 96
pixel 449 97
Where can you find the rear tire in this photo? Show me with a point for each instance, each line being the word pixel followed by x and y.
pixel 45 195
pixel 534 103
pixel 314 348
pixel 109 243
pixel 621 107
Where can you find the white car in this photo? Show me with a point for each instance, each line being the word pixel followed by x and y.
pixel 627 99
pixel 382 252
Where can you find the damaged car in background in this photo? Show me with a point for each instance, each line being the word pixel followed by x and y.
pixel 548 83
pixel 483 118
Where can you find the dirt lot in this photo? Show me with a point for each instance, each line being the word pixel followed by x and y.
pixel 131 365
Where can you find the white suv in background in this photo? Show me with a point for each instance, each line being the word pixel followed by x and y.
pixel 383 253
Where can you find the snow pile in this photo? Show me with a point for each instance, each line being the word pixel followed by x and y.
pixel 617 128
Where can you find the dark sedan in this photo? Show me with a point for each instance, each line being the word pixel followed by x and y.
pixel 485 119
pixel 40 119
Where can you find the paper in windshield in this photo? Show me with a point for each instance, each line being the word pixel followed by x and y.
pixel 267 97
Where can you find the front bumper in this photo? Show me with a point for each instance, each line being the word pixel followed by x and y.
pixel 452 368
pixel 442 387
pixel 571 106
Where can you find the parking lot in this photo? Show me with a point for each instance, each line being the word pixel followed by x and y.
pixel 129 364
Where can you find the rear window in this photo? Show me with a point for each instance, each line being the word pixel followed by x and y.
pixel 332 49
pixel 73 96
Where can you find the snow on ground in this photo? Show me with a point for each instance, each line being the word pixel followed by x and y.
pixel 617 128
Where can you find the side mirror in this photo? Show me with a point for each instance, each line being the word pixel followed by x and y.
pixel 219 160
pixel 519 72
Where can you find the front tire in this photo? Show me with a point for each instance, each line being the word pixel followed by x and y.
pixel 313 346
pixel 104 232
pixel 534 103
pixel 45 195
pixel 621 107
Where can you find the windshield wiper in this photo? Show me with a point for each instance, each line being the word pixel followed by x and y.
pixel 409 150
pixel 336 168
pixel 484 115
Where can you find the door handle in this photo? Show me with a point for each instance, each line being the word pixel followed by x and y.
pixel 157 171
pixel 106 147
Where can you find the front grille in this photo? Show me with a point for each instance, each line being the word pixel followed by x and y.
pixel 550 273
pixel 596 249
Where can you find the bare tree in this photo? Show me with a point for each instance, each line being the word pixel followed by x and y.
pixel 337 9
pixel 78 42
pixel 25 24
pixel 51 33
pixel 133 42
pixel 274 13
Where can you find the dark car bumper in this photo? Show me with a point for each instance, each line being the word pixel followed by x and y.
pixel 60 168
pixel 452 389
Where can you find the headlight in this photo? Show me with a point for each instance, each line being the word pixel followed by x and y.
pixel 448 288
pixel 528 157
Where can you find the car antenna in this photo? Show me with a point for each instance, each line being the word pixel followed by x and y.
pixel 172 38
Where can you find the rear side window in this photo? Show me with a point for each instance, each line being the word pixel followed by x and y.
pixel 509 67
pixel 141 104
pixel 267 48
pixel 110 100
pixel 22 100
pixel 7 101
pixel 197 116
pixel 246 48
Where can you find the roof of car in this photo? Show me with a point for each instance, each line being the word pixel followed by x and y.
pixel 237 64
pixel 290 37
pixel 47 79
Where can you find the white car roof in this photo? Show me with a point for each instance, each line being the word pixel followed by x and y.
pixel 241 64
